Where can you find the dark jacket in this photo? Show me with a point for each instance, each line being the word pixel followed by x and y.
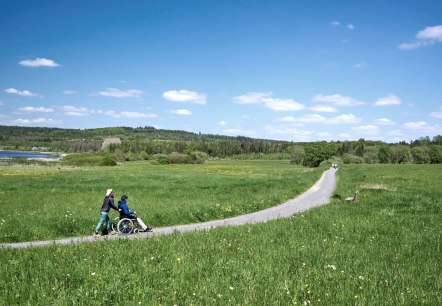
pixel 124 208
pixel 108 203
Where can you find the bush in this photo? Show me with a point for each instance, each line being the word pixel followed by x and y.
pixel 160 159
pixel 199 155
pixel 348 158
pixel 109 161
pixel 179 158
pixel 90 159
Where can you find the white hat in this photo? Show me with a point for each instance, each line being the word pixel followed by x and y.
pixel 108 192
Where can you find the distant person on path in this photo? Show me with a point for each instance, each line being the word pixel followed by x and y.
pixel 126 213
pixel 108 203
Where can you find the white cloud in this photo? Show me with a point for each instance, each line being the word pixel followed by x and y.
pixel 185 96
pixel 430 33
pixel 31 109
pixel 383 121
pixel 222 122
pixel 344 119
pixel 24 93
pixel 287 119
pixel 309 118
pixel 350 26
pixel 130 115
pixel 426 37
pixel 239 132
pixel 366 129
pixel 344 136
pixel 315 118
pixel 266 99
pixel 337 99
pixel 182 112
pixel 69 110
pixel 415 125
pixel 324 108
pixel 37 121
pixel 415 45
pixel 293 133
pixel 388 100
pixel 137 115
pixel 39 62
pixel 436 114
pixel 335 23
pixel 117 93
pixel 69 92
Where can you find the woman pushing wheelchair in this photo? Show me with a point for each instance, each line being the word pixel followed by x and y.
pixel 126 213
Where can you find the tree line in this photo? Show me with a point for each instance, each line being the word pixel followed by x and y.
pixel 142 142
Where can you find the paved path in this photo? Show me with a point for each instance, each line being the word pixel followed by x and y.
pixel 318 194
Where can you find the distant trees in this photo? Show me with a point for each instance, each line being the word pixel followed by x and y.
pixel 144 142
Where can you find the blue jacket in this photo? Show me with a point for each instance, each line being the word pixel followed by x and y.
pixel 125 208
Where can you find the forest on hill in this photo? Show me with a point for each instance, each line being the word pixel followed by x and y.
pixel 145 142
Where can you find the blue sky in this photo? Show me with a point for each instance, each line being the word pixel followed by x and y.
pixel 288 70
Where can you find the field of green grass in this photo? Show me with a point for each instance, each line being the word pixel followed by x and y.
pixel 383 250
pixel 42 202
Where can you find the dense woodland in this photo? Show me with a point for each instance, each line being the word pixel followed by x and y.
pixel 145 142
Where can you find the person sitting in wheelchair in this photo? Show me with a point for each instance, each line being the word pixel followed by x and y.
pixel 126 213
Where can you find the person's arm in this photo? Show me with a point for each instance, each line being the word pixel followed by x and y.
pixel 111 204
pixel 126 210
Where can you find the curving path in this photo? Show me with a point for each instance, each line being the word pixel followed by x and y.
pixel 318 194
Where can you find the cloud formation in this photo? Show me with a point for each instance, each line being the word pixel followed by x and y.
pixel 117 93
pixel 383 121
pixel 388 100
pixel 337 99
pixel 32 109
pixel 436 114
pixel 69 110
pixel 324 109
pixel 186 96
pixel 130 115
pixel 181 112
pixel 426 37
pixel 38 62
pixel 24 93
pixel 37 121
pixel 265 98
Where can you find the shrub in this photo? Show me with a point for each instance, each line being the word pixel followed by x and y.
pixel 90 159
pixel 348 158
pixel 109 161
pixel 421 155
pixel 160 159
pixel 199 155
pixel 179 158
pixel 297 155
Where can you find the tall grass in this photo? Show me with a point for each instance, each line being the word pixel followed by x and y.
pixel 383 250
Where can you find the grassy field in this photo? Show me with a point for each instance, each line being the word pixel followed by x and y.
pixel 383 250
pixel 40 202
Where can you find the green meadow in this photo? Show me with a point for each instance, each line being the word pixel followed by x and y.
pixel 42 202
pixel 383 250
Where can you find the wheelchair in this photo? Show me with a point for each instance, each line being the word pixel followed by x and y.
pixel 124 225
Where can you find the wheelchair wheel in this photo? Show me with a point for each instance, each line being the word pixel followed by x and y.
pixel 114 224
pixel 125 226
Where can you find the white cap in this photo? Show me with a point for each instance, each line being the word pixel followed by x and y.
pixel 108 192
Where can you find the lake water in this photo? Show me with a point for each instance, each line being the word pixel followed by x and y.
pixel 17 154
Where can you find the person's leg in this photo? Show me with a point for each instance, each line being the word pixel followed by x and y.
pixel 108 224
pixel 141 223
pixel 103 216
